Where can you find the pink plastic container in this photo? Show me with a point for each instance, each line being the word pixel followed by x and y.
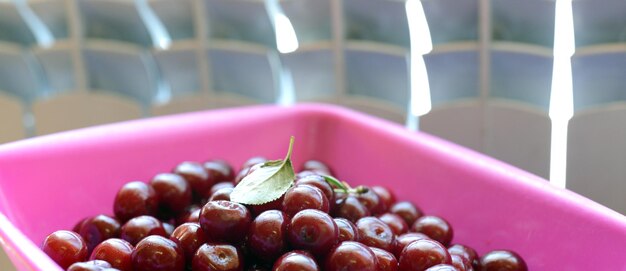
pixel 51 182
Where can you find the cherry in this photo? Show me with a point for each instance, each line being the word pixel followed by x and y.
pixel 385 195
pixel 139 227
pixel 169 228
pixel 319 182
pixel 296 261
pixel 217 257
pixel 313 230
pixel 173 191
pixel 460 263
pixel 80 223
pixel 422 254
pixel 303 196
pixel 267 235
pixel 442 267
pixel 407 210
pixel 95 265
pixel 65 248
pixel 97 229
pixel 347 230
pixel 385 260
pixel 157 253
pixel 404 240
pixel 135 199
pixel 190 215
pixel 276 204
pixel 317 166
pixel 502 260
pixel 375 233
pixel 225 221
pixel 371 201
pixel 465 252
pixel 219 171
pixel 351 256
pixel 217 187
pixel 221 194
pixel 189 237
pixel 435 227
pixel 253 161
pixel 115 251
pixel 351 208
pixel 395 222
pixel 197 177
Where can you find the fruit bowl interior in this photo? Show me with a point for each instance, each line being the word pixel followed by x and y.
pixel 51 182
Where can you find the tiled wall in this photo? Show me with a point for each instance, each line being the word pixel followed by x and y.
pixel 490 70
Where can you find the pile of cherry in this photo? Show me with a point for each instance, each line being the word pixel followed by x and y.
pixel 185 220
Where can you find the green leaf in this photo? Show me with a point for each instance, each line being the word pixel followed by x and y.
pixel 267 183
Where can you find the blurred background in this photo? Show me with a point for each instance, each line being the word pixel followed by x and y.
pixel 539 84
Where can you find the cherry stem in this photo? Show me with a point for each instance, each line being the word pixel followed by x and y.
pixel 344 187
pixel 290 150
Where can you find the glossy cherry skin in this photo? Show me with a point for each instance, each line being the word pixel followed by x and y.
pixel 272 205
pixel 173 191
pixel 435 227
pixel 465 252
pixel 139 227
pixel 217 257
pixel 313 230
pixel 197 177
pixel 225 221
pixel 116 252
pixel 375 233
pixel 407 210
pixel 350 208
pixel 386 197
pixel 96 265
pixel 217 187
pixel 347 230
pixel 319 182
pixel 253 161
pixel 135 199
pixel 296 261
pixel 80 223
pixel 317 166
pixel 404 240
pixel 221 194
pixel 157 253
pixel 190 215
pixel 65 248
pixel 442 267
pixel 219 171
pixel 460 263
pixel 502 260
pixel 303 196
pixel 189 237
pixel 371 201
pixel 395 223
pixel 422 254
pixel 267 236
pixel 385 260
pixel 99 228
pixel 351 256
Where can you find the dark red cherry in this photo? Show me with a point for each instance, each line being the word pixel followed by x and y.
pixel 190 215
pixel 465 252
pixel 189 237
pixel 319 182
pixel 253 161
pixel 407 210
pixel 115 251
pixel 350 208
pixel 303 196
pixel 371 201
pixel 317 166
pixel 347 230
pixel 157 253
pixel 385 195
pixel 225 221
pixel 217 257
pixel 95 265
pixel 173 191
pixel 502 260
pixel 65 248
pixel 395 222
pixel 139 227
pixel 99 228
pixel 442 267
pixel 460 263
pixel 422 254
pixel 218 186
pixel 385 260
pixel 313 230
pixel 267 236
pixel 197 177
pixel 296 261
pixel 404 240
pixel 272 205
pixel 375 233
pixel 351 256
pixel 221 194
pixel 435 227
pixel 219 171
pixel 135 199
